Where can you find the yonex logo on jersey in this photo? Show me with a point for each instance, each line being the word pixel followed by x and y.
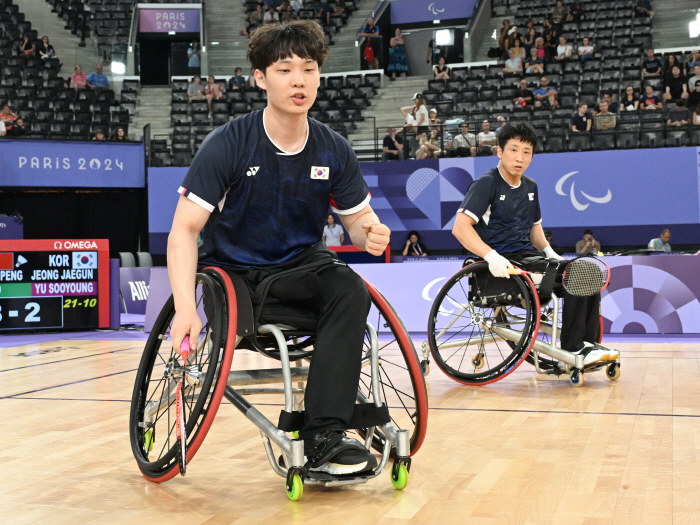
pixel 252 171
pixel 503 197
pixel 319 172
pixel 531 196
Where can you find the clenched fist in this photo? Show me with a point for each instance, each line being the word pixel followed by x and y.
pixel 378 236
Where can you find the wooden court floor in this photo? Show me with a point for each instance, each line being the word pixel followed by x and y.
pixel 526 450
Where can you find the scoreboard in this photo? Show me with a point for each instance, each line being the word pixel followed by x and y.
pixel 54 283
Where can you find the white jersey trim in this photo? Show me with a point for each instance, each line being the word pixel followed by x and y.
pixel 538 222
pixel 354 209
pixel 283 152
pixel 197 200
pixel 462 210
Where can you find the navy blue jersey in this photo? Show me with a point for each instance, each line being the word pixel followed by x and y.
pixel 504 214
pixel 268 205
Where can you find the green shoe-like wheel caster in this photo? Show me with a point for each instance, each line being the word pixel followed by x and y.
pixel 295 434
pixel 148 440
pixel 297 488
pixel 401 479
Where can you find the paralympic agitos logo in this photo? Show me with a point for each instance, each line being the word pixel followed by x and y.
pixel 559 188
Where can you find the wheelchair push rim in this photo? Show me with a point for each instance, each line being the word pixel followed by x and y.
pixel 459 334
pixel 158 369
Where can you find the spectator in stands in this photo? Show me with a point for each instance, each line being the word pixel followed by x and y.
pixel 696 76
pixel 297 5
pixel 339 10
pixel 193 59
pixel 693 60
pixel 503 39
pixel 120 135
pixel 255 19
pixel 528 41
pixel 464 143
pixel 3 132
pixel 433 120
pixel 519 51
pixel 588 244
pixel 524 30
pixel 581 121
pixel 18 129
pixel 414 248
pixel 550 28
pixel 661 243
pixel 669 64
pixel 212 91
pixel 429 146
pixel 7 117
pixel 333 233
pixel 630 102
pixel 397 55
pixel 99 135
pixel 585 50
pixel 322 12
pixel 642 8
pixel 392 146
pixel 550 47
pixel 26 47
pixel 194 90
pixel 371 32
pixel 288 15
pixel 613 107
pixel 675 85
pixel 564 50
pixel 649 100
pixel 237 81
pixel 441 71
pixel 694 96
pixel 559 13
pixel 575 13
pixel 447 140
pixel 534 64
pixel 680 115
pixel 45 49
pixel 78 81
pixel 652 66
pixel 546 96
pixel 487 139
pixel 271 15
pixel 513 65
pixel 696 115
pixel 500 122
pixel 97 80
pixel 539 45
pixel 604 120
pixel 417 115
pixel 523 96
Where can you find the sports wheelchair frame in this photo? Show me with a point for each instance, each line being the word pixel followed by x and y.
pixel 391 376
pixel 481 328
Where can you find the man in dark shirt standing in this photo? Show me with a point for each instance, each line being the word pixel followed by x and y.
pixel 582 121
pixel 500 221
pixel 392 146
pixel 676 85
pixel 523 96
pixel 371 32
pixel 652 66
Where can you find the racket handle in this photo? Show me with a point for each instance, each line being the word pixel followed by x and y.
pixel 185 348
pixel 514 271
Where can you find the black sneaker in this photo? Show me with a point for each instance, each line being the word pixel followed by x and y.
pixel 334 453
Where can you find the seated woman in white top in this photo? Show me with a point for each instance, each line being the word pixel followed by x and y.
pixel 586 50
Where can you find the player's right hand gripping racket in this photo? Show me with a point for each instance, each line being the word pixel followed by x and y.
pixel 583 276
pixel 180 409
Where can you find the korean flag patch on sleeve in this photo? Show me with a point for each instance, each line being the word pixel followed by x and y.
pixel 319 172
pixel 531 196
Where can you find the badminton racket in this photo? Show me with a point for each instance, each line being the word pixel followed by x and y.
pixel 582 277
pixel 180 409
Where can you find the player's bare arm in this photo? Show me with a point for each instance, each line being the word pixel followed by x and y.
pixel 366 231
pixel 465 233
pixel 189 220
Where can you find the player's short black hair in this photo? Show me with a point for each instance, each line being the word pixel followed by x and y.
pixel 517 130
pixel 272 42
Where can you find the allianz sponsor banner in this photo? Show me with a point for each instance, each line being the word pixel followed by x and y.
pixel 134 285
pixel 412 11
pixel 69 164
pixel 167 20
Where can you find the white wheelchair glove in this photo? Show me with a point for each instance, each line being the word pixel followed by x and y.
pixel 498 265
pixel 551 254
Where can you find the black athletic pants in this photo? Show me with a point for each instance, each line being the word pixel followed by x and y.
pixel 580 315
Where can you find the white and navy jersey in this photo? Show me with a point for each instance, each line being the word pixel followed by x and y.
pixel 504 214
pixel 267 204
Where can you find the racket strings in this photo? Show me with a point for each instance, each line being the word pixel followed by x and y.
pixel 585 277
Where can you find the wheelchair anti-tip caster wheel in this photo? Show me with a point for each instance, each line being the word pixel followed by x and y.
pixel 478 361
pixel 425 367
pixel 399 473
pixel 613 371
pixel 295 483
pixel 576 378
